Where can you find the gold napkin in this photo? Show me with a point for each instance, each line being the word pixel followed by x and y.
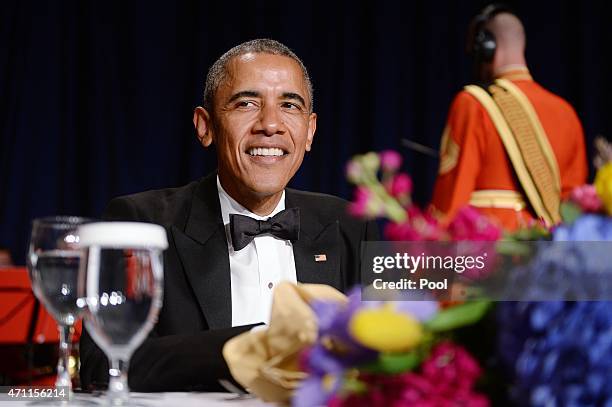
pixel 265 360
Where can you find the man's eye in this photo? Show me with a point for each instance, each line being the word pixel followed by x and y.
pixel 289 105
pixel 245 103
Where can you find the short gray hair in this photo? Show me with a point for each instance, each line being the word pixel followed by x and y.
pixel 218 71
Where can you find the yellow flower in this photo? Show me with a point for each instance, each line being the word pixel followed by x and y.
pixel 603 186
pixel 385 330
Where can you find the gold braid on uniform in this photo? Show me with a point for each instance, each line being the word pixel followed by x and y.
pixel 536 160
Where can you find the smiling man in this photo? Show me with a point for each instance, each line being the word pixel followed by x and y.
pixel 235 234
pixel 258 111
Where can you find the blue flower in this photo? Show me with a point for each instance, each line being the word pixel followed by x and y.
pixel 588 227
pixel 558 353
pixel 563 270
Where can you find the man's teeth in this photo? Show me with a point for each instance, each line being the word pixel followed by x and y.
pixel 266 151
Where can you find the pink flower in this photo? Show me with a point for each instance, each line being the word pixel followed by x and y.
pixel 469 224
pixel 360 202
pixel 478 236
pixel 390 160
pixel 447 378
pixel 400 231
pixel 365 204
pixel 354 171
pixel 400 185
pixel 586 198
pixel 449 365
pixel 418 226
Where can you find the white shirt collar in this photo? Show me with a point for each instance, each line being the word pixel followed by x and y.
pixel 229 206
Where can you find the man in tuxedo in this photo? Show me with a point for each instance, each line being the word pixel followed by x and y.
pixel 235 234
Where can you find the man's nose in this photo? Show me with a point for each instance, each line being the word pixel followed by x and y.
pixel 270 121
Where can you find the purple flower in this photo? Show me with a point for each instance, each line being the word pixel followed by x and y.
pixel 316 390
pixel 335 348
pixel 421 310
pixel 334 351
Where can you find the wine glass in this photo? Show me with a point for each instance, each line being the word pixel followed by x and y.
pixel 53 263
pixel 122 284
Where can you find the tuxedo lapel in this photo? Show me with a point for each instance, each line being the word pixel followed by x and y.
pixel 202 248
pixel 317 252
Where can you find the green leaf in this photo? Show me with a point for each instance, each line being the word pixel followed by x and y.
pixel 570 212
pixel 397 363
pixel 391 363
pixel 513 248
pixel 352 385
pixel 458 316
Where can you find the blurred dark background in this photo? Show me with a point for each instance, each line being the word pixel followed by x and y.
pixel 96 97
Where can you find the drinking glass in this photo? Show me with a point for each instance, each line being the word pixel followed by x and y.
pixel 122 282
pixel 53 262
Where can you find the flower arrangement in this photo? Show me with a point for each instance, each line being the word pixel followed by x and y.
pixel 392 353
pixel 323 348
pixel 398 353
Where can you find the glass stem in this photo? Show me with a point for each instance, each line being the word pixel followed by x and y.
pixel 63 364
pixel 118 391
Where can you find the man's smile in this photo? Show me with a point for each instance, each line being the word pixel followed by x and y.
pixel 267 154
pixel 266 151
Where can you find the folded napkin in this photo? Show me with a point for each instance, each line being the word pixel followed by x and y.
pixel 266 360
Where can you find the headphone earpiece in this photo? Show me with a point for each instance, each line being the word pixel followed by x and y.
pixel 483 43
pixel 484 46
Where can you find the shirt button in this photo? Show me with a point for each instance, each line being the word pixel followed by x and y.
pixel 270 285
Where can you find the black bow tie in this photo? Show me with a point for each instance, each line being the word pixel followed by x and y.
pixel 284 225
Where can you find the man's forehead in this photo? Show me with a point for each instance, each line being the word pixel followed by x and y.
pixel 273 67
pixel 264 57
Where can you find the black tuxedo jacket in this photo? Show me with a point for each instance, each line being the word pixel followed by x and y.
pixel 183 352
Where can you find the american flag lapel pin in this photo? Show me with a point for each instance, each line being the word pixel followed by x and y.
pixel 320 257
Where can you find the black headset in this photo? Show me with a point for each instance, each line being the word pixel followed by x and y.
pixel 481 42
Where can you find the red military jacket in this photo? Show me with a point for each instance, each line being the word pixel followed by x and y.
pixel 475 168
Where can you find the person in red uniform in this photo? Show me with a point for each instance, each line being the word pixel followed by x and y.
pixel 475 165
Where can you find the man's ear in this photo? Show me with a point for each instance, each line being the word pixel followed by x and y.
pixel 203 126
pixel 312 127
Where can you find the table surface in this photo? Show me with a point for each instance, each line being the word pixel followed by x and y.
pixel 154 399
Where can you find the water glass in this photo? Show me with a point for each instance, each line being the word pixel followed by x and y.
pixel 122 282
pixel 53 260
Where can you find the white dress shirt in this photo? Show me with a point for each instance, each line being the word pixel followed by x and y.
pixel 257 268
